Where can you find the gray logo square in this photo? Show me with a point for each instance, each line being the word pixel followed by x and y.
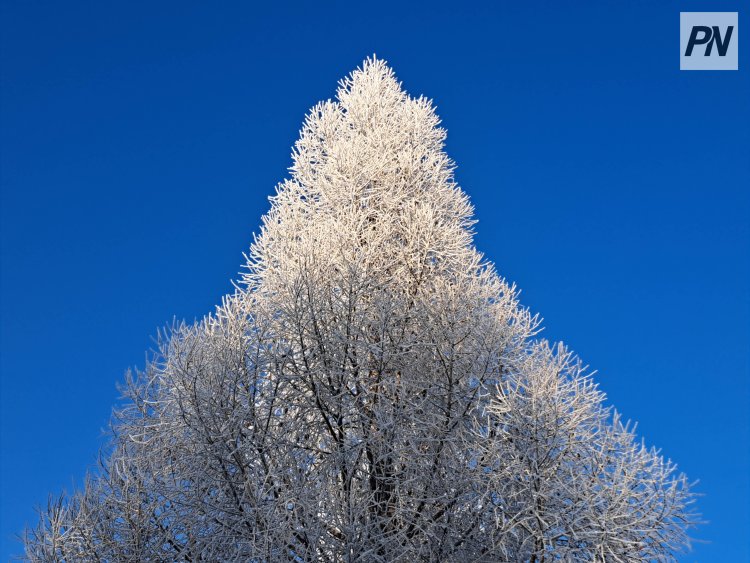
pixel 708 41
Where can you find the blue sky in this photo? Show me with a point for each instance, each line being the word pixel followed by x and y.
pixel 140 141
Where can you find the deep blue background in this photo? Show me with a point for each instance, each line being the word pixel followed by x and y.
pixel 140 141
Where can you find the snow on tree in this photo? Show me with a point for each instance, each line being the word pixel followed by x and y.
pixel 373 391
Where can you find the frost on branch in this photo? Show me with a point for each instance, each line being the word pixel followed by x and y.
pixel 373 391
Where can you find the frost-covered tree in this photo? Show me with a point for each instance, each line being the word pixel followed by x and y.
pixel 373 391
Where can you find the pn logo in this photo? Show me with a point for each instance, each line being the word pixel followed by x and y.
pixel 708 41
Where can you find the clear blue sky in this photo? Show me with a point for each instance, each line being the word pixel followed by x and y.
pixel 141 139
